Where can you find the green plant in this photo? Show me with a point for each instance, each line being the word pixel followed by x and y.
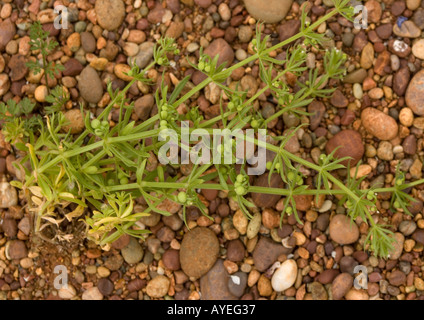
pixel 41 42
pixel 106 167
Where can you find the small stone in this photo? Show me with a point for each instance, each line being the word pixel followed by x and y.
pixel 8 195
pixel 74 42
pixel 349 144
pixel 75 121
pixel 339 100
pixel 88 42
pixel 317 111
pixel 143 106
pixel 341 285
pixel 105 286
pixel 270 11
pixel 237 283
pixel 158 287
pixel 342 230
pixel 264 286
pixel 10 227
pixel 199 251
pixel 396 278
pixel 7 32
pixel 133 252
pixel 110 13
pixel 285 276
pixel 266 253
pixel 382 62
pixel 374 10
pixel 72 68
pixel 401 80
pixel 367 56
pixel 240 222
pixel 17 250
pixel 144 55
pixel 121 71
pixel 406 117
pixel 136 285
pixel 214 285
pixel 379 124
pixel 40 93
pixel 17 64
pixel 92 294
pixel 415 93
pixel 385 151
pixel 409 145
pixel 418 49
pixel 235 250
pixel 407 227
pixel 175 30
pixel 318 291
pixel 171 259
pixel 327 276
pixel 362 171
pixel 90 85
pixel 355 294
pixel 357 76
pixel 408 29
pixel 418 236
pixel 67 292
pixel 223 49
pixel 267 200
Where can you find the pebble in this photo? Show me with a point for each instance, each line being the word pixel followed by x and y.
pixel 90 85
pixel 214 285
pixel 418 236
pixel 379 124
pixel 341 285
pixel 235 250
pixel 317 111
pixel 285 276
pixel 266 253
pixel 350 145
pixel 144 55
pixel 342 230
pixel 269 11
pixel 199 251
pixel 158 287
pixel 171 259
pixel 221 47
pixel 367 56
pixel 7 32
pixel 133 252
pixel 92 294
pixel 385 151
pixel 254 226
pixel 418 49
pixel 72 68
pixel 105 286
pixel 357 91
pixel 267 200
pixel 8 195
pixel 357 76
pixel 415 93
pixel 224 11
pixel 67 292
pixel 327 276
pixel 75 122
pixel 143 106
pixel 406 117
pixel 237 283
pixel 407 227
pixel 374 10
pixel 355 294
pixel 17 250
pixel 397 246
pixel 408 29
pixel 110 13
pixel 245 34
pixel 318 291
pixel 40 93
pixel 18 67
pixel 339 100
pixel 401 80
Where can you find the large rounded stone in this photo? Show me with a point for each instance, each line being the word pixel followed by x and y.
pixel 199 251
pixel 221 47
pixel 269 11
pixel 349 144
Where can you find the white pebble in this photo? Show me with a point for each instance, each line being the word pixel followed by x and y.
pixel 285 276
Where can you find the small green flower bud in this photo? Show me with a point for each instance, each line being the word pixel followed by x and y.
pixel 182 197
pixel 240 190
pixel 95 123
